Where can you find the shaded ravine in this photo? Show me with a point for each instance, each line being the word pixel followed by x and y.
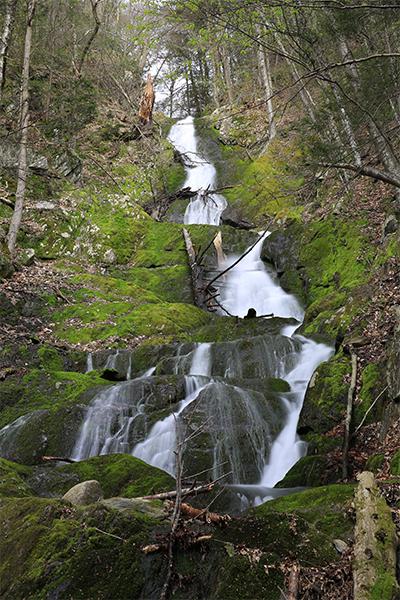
pixel 116 420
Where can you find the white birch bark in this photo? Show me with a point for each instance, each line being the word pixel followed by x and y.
pixel 5 40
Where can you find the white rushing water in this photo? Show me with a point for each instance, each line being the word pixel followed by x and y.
pixel 158 447
pixel 248 285
pixel 201 175
pixel 116 415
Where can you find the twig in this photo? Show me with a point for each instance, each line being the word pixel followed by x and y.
pixel 106 172
pixel 349 411
pixel 110 534
pixel 236 261
pixel 207 247
pixel 365 416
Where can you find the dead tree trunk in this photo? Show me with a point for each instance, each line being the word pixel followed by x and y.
pixel 146 105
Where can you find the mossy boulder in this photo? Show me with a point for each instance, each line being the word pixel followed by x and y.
pixel 53 548
pixel 12 480
pixel 37 389
pixel 374 463
pixel 6 267
pixel 309 471
pixel 326 397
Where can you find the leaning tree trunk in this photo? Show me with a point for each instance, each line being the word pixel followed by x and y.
pixel 5 39
pixel 24 123
pixel 263 64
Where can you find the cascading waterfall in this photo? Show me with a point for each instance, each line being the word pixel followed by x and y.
pixel 118 419
pixel 158 448
pixel 201 175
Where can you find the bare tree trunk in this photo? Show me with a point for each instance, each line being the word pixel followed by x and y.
pixel 263 63
pixel 349 412
pixel 24 123
pixel 145 50
pixel 382 144
pixel 5 39
pixel 77 67
pixel 214 67
pixel 227 71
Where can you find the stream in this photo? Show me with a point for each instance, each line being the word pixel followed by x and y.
pixel 224 398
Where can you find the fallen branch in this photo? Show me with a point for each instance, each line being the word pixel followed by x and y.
pixel 365 416
pixel 236 261
pixel 199 291
pixel 206 516
pixel 293 585
pixel 110 534
pixel 64 459
pixel 349 411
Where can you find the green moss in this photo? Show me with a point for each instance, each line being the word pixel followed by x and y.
pixel 12 480
pixel 38 390
pixel 373 384
pixel 308 471
pixel 329 257
pixel 374 463
pixel 395 464
pixel 267 187
pixel 58 549
pixel 120 475
pixel 105 320
pixel 50 360
pixel 326 396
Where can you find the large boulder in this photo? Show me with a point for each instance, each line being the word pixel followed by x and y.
pixel 84 493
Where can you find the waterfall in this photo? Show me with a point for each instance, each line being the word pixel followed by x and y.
pixel 158 448
pixel 201 175
pixel 244 420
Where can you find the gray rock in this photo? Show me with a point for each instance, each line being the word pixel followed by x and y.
pixel 340 546
pixel 110 257
pixel 84 493
pixel 28 257
pixel 9 157
pixel 69 165
pixel 233 218
pixel 44 205
pixel 390 226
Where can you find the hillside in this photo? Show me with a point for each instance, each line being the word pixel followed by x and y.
pixel 199 340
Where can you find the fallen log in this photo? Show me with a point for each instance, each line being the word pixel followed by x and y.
pixel 293 584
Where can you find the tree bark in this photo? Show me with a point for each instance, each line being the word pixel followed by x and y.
pixel 5 39
pixel 24 124
pixel 146 104
pixel 263 64
pixel 200 297
pixel 78 67
pixel 349 412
